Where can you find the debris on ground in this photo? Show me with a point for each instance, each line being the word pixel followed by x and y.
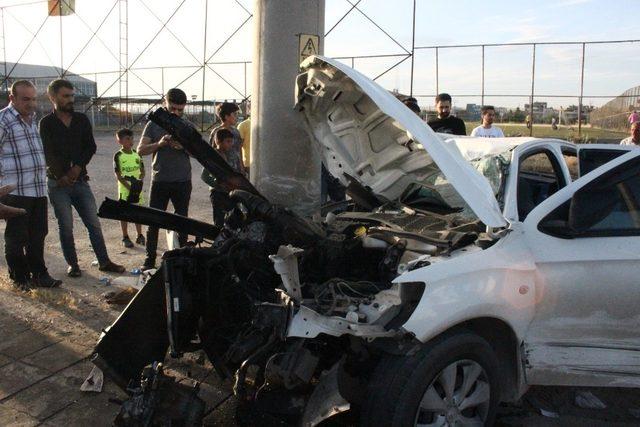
pixel 635 412
pixel 125 282
pixel 120 297
pixel 94 381
pixel 106 281
pixel 601 404
pixel 549 414
pixel 587 400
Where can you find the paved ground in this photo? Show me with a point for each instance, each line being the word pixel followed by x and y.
pixel 46 338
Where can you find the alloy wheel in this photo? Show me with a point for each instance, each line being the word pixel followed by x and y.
pixel 459 395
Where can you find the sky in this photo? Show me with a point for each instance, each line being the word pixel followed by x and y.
pixel 180 47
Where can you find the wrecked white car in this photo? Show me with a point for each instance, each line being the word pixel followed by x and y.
pixel 460 272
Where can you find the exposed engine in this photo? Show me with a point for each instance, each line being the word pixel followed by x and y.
pixel 294 312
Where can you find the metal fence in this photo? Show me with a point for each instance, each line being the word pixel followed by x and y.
pixel 411 63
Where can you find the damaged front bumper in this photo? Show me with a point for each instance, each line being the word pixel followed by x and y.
pixel 278 304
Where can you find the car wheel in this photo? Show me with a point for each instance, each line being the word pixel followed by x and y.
pixel 452 381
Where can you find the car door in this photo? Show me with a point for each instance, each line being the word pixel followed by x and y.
pixel 537 171
pixel 585 241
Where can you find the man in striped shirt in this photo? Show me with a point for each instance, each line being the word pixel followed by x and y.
pixel 22 164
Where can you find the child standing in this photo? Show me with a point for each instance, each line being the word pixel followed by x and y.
pixel 227 112
pixel 224 141
pixel 129 171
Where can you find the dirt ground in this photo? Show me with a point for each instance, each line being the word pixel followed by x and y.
pixel 46 337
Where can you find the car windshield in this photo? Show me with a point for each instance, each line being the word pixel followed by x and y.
pixel 437 193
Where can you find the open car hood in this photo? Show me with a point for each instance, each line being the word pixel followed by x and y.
pixel 365 134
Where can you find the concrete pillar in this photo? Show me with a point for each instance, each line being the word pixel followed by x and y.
pixel 285 167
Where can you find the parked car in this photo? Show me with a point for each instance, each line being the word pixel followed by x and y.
pixel 463 271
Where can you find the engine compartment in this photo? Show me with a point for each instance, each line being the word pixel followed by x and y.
pixel 295 313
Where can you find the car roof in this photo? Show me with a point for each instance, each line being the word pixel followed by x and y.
pixel 473 147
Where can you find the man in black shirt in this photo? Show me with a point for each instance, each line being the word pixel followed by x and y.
pixel 446 123
pixel 68 142
pixel 170 171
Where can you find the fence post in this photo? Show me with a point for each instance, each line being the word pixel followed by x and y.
pixel 482 99
pixel 204 63
pixel 413 46
pixel 533 79
pixel 437 77
pixel 581 93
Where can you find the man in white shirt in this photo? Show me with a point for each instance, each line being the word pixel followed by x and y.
pixel 486 129
pixel 634 139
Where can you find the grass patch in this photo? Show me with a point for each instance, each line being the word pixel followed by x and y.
pixel 58 297
pixel 570 133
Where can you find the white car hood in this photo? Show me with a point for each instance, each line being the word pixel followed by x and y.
pixel 363 131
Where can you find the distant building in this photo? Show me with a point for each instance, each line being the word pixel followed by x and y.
pixel 472 112
pixel 569 115
pixel 540 110
pixel 42 75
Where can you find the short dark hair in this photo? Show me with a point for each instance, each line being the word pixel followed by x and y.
pixel 486 108
pixel 226 108
pixel 176 96
pixel 121 133
pixel 443 97
pixel 58 84
pixel 222 134
pixel 412 104
pixel 18 83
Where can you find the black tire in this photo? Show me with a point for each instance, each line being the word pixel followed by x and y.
pixel 399 382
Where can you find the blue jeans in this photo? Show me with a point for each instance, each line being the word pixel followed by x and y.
pixel 80 196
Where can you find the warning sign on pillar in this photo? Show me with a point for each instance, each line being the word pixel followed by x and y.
pixel 308 46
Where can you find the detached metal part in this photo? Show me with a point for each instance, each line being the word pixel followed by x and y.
pixel 309 324
pixel 326 399
pixel 137 338
pixel 285 262
pixel 159 401
pixel 123 211
pixel 192 141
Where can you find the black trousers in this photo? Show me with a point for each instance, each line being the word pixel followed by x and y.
pixel 24 237
pixel 179 193
pixel 221 204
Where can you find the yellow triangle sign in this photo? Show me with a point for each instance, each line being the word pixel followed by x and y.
pixel 308 46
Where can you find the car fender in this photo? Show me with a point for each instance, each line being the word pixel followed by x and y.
pixel 497 283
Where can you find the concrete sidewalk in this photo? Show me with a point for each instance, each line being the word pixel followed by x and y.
pixel 45 347
pixel 44 358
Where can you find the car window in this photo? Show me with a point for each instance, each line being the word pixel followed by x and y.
pixel 613 210
pixel 592 158
pixel 539 177
pixel 608 206
pixel 571 160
